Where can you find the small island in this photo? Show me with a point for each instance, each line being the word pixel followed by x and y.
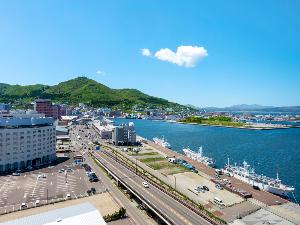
pixel 213 121
pixel 225 121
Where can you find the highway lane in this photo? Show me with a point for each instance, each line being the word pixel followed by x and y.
pixel 175 211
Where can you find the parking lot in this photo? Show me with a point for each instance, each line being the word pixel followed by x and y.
pixel 61 182
pixel 191 180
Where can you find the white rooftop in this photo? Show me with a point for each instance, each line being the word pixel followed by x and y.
pixel 79 214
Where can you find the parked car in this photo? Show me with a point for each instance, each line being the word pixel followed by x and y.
pixel 68 196
pixel 37 202
pixel 218 201
pixel 16 174
pixel 218 186
pixel 205 188
pixel 93 178
pixel 23 205
pixel 256 187
pixel 93 190
pixel 196 189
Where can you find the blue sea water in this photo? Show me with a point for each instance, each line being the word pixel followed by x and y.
pixel 268 151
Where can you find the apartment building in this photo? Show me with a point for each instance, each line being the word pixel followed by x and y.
pixel 124 134
pixel 46 107
pixel 26 140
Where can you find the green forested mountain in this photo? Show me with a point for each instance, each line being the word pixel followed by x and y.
pixel 82 90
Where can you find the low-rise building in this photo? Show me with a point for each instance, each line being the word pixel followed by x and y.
pixel 103 129
pixel 4 107
pixel 26 140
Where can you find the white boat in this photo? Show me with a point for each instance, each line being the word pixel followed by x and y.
pixel 162 142
pixel 246 174
pixel 199 157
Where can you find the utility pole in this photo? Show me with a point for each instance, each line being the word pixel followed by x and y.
pixel 175 182
pixel 47 195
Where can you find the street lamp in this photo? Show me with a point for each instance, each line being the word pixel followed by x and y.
pixel 136 165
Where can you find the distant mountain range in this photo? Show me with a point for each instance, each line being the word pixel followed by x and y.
pixel 254 108
pixel 82 90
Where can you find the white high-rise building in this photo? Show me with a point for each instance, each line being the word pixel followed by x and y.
pixel 26 140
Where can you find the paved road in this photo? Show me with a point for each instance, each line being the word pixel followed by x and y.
pixel 134 214
pixel 176 212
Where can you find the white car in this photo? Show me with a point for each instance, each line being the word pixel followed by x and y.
pixel 23 205
pixel 68 196
pixel 145 184
pixel 37 202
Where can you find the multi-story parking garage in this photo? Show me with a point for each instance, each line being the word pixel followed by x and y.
pixel 26 140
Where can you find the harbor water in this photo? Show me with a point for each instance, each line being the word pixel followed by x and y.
pixel 268 151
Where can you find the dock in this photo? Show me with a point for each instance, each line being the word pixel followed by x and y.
pixel 266 198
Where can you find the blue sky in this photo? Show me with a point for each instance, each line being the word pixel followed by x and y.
pixel 252 47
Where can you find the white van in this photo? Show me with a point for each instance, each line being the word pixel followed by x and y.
pixel 218 201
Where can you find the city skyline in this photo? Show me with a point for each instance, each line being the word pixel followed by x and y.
pixel 190 53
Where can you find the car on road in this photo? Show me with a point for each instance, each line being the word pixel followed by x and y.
pixel 37 202
pixel 145 184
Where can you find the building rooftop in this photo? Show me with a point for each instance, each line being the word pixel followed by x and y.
pixel 79 214
pixel 19 120
pixel 42 100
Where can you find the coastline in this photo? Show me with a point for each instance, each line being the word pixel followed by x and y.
pixel 245 127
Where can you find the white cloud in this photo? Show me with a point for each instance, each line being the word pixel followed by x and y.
pixel 99 72
pixel 186 56
pixel 145 52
